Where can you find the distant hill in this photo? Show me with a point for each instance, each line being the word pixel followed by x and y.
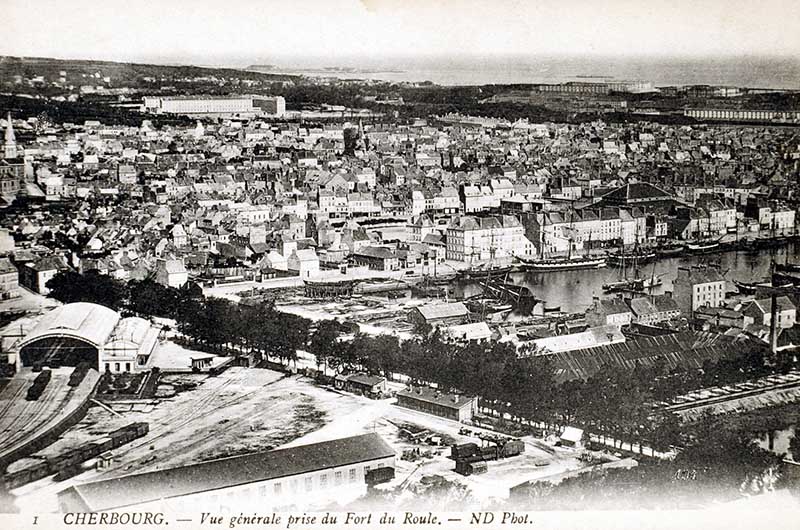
pixel 122 74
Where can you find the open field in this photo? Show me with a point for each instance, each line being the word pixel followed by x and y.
pixel 246 410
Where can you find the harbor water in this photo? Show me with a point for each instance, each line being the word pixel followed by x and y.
pixel 573 291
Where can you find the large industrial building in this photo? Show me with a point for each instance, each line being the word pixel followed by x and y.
pixel 216 106
pixel 323 472
pixel 78 332
pixel 743 115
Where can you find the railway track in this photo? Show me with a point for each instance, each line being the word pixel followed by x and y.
pixel 715 400
pixel 16 396
pixel 185 416
pixel 733 394
pixel 43 410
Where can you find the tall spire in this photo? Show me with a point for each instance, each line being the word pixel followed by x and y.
pixel 10 144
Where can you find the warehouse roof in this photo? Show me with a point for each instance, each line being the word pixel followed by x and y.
pixel 366 379
pixel 590 338
pixel 683 350
pixel 228 472
pixel 437 311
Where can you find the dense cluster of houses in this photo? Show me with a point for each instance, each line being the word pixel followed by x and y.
pixel 249 198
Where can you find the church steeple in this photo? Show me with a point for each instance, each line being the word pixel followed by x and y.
pixel 10 144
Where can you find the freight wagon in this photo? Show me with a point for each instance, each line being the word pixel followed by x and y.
pixel 471 468
pixel 70 461
pixel 78 374
pixel 379 475
pixel 38 386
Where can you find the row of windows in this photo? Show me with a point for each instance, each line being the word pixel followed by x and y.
pixel 117 367
pixel 705 288
pixel 294 486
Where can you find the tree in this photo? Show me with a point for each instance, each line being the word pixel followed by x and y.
pixel 665 432
pixel 324 341
pixel 150 298
pixel 69 286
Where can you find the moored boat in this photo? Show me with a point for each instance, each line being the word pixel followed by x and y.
pixel 699 247
pixel 637 257
pixel 481 272
pixel 745 288
pixel 563 264
pixel 668 251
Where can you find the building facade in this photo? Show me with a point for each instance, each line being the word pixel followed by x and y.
pixel 301 476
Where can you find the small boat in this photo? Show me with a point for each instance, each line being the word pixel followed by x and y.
pixel 745 288
pixel 787 267
pixel 700 247
pixel 783 279
pixel 479 272
pixel 633 284
pixel 488 305
pixel 624 259
pixel 441 279
pixel 563 264
pixel 552 309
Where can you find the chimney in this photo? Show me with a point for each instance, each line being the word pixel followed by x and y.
pixel 455 398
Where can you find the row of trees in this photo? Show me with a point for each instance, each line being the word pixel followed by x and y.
pixel 142 297
pixel 613 401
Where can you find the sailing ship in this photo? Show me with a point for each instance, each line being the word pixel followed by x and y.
pixel 479 272
pixel 570 262
pixel 628 259
pixel 636 283
pixel 563 264
pixel 631 258
pixel 488 307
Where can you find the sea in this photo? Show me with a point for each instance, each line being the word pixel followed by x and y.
pixel 769 72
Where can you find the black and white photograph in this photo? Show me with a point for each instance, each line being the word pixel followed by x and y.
pixel 429 264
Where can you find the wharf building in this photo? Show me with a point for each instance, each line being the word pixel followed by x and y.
pixel 302 476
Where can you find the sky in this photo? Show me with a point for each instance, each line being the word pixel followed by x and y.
pixel 239 32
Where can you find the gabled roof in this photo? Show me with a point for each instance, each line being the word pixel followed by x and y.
pixel 432 395
pixel 443 310
pixel 375 252
pixel 227 472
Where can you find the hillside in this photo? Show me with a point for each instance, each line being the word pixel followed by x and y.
pixel 133 75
